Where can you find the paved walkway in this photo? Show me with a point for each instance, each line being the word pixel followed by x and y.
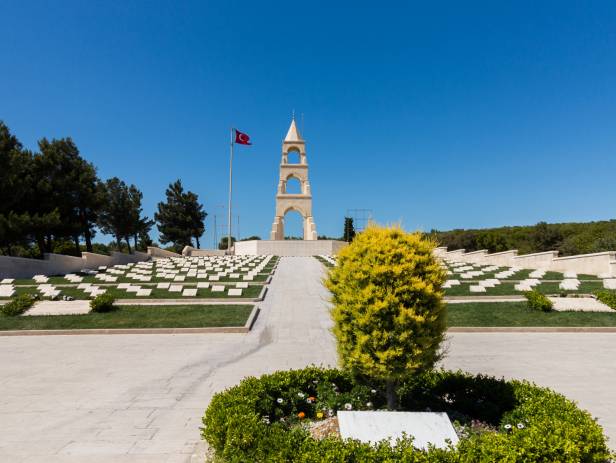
pixel 581 366
pixel 140 398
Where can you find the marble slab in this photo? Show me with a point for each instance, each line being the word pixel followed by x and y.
pixel 372 426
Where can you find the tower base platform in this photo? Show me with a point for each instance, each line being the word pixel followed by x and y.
pixel 288 247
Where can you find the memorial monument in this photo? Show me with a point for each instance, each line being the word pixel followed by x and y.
pixel 293 167
pixel 300 202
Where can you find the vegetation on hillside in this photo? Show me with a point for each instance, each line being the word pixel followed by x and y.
pixel 567 238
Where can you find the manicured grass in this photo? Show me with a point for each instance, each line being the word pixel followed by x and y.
pixel 122 279
pixel 171 316
pixel 251 292
pixel 323 261
pixel 518 314
pixel 507 289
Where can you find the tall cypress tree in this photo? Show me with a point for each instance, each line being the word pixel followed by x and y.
pixel 349 229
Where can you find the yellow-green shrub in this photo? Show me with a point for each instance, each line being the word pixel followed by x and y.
pixel 389 319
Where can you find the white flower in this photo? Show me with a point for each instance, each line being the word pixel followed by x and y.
pixel 348 406
pixel 373 391
pixel 520 426
pixel 369 404
pixel 301 395
pixel 266 419
pixel 507 426
pixel 279 400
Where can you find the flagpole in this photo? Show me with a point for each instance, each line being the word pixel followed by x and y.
pixel 230 190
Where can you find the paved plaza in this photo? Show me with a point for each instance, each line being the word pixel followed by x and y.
pixel 140 398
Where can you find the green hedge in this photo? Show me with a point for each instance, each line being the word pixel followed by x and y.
pixel 18 305
pixel 103 303
pixel 538 301
pixel 607 297
pixel 257 420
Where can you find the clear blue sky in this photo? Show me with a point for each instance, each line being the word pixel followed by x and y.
pixel 457 115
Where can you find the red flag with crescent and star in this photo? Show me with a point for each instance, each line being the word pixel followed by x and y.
pixel 242 138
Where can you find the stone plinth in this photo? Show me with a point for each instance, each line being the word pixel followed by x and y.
pixel 288 247
pixel 426 428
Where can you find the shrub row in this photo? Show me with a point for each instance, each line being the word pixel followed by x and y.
pixel 259 420
pixel 103 303
pixel 608 298
pixel 538 301
pixel 18 305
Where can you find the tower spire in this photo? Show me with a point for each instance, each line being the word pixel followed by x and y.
pixel 293 134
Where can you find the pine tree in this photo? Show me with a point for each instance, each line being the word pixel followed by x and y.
pixel 181 217
pixel 117 216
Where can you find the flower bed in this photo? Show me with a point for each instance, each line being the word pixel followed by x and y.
pixel 268 419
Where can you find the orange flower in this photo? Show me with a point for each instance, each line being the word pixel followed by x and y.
pixel 301 415
pixel 312 399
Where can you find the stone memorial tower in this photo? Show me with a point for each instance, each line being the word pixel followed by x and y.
pixel 294 145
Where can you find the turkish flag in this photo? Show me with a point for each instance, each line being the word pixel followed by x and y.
pixel 242 138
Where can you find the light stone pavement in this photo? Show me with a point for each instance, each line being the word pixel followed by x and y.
pixel 140 398
pixel 581 366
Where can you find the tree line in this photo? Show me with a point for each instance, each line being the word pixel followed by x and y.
pixel 567 238
pixel 52 200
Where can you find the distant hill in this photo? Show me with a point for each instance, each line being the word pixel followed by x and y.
pixel 568 238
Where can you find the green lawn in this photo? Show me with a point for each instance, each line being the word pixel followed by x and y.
pixel 507 289
pixel 518 314
pixel 122 279
pixel 323 261
pixel 251 292
pixel 171 316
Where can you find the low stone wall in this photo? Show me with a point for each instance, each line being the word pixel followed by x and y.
pixel 53 264
pixel 602 264
pixel 288 247
pixel 457 254
pixel 93 261
pixel 599 263
pixel 157 253
pixel 190 251
pixel 536 260
pixel 502 259
pixel 476 257
pixel 119 258
pixel 59 264
pixel 440 251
